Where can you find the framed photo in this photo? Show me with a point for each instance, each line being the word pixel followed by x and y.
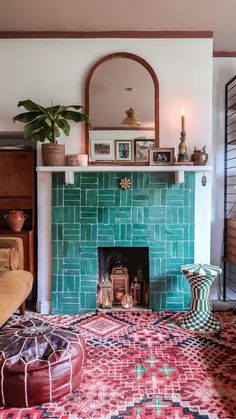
pixel 141 149
pixel 123 150
pixel 102 150
pixel 161 156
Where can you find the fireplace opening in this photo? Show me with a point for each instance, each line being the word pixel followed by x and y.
pixel 123 278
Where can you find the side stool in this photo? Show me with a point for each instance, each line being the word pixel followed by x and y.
pixel 200 317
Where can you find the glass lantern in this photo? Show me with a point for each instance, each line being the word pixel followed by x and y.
pixel 106 290
pixel 135 291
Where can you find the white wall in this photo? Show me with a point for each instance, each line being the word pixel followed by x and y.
pixel 45 69
pixel 223 70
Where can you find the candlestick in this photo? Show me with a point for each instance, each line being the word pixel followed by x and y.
pixel 183 121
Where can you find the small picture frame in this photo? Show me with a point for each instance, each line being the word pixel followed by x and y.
pixel 161 156
pixel 142 147
pixel 123 150
pixel 101 150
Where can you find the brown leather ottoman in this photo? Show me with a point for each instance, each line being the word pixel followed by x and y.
pixel 39 363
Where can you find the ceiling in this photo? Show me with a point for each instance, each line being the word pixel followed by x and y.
pixel 218 16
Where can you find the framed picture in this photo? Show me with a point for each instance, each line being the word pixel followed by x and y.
pixel 102 150
pixel 123 150
pixel 141 149
pixel 161 156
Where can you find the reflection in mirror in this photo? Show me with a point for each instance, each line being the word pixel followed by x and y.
pixel 122 101
pixel 118 85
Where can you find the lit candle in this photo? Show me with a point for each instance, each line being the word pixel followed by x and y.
pixel 82 159
pixel 183 121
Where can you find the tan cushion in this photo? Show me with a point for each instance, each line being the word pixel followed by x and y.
pixel 15 287
pixel 16 242
pixel 9 259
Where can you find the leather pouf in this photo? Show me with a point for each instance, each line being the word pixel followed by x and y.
pixel 39 363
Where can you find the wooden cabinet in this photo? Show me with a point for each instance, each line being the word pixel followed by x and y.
pixel 18 192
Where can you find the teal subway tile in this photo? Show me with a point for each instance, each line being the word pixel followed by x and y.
pixel 88 215
pixel 60 249
pixel 89 232
pixel 123 215
pixel 71 308
pixel 122 232
pixel 108 243
pixel 180 215
pixel 154 197
pixel 106 198
pixel 88 250
pixel 123 243
pixel 60 279
pixel 88 286
pixel 163 198
pixel 172 214
pixel 90 300
pixel 88 266
pixel 171 306
pixel 158 285
pixel 154 232
pixel 158 214
pixel 123 198
pixel 59 231
pixel 140 197
pixel 69 214
pixel 71 249
pixel 156 179
pixel 77 177
pixel 58 215
pixel 141 215
pixel 189 180
pixel 68 283
pixel 54 283
pixel 89 198
pixel 54 248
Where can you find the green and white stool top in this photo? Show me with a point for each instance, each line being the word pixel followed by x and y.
pixel 201 269
pixel 200 318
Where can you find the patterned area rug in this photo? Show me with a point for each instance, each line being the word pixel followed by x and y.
pixel 142 365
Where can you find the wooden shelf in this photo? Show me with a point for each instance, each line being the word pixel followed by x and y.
pixel 70 170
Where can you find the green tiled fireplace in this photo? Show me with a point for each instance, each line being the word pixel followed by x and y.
pixel 94 213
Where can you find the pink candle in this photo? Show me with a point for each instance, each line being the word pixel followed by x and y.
pixel 183 121
pixel 82 159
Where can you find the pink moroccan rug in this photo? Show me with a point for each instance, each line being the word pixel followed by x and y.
pixel 145 366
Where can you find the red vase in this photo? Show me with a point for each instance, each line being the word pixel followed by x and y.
pixel 15 219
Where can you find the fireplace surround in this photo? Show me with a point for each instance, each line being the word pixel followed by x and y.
pixel 94 212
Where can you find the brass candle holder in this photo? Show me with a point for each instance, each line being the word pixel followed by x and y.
pixel 182 156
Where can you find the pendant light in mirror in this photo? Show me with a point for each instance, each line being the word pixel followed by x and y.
pixel 131 120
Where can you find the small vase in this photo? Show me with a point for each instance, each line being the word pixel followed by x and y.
pixel 199 157
pixel 15 219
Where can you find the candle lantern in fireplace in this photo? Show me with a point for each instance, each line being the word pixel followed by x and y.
pixel 106 291
pixel 120 283
pixel 135 291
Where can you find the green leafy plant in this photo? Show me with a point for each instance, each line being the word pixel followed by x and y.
pixel 47 123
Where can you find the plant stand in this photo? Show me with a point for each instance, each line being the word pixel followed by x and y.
pixel 200 317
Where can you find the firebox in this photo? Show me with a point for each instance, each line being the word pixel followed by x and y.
pixel 123 277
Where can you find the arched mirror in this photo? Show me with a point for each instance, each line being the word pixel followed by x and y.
pixel 122 100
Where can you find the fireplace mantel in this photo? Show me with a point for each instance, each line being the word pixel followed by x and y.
pixel 70 170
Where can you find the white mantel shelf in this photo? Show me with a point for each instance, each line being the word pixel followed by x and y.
pixel 70 170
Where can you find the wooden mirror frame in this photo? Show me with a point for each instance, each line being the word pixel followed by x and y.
pixel 156 90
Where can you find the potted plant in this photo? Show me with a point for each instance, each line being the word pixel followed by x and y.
pixel 45 124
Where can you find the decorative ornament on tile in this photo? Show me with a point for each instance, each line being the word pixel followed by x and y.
pixel 125 183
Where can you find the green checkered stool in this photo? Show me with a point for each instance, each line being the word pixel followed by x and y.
pixel 200 318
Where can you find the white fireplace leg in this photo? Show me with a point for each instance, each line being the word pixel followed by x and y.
pixel 44 242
